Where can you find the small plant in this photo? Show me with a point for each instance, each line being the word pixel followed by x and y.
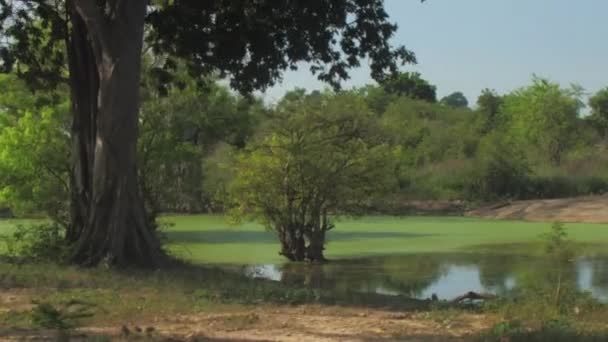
pixel 557 244
pixel 64 317
pixel 559 249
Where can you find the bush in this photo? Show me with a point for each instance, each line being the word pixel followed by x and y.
pixel 501 171
pixel 559 186
pixel 43 242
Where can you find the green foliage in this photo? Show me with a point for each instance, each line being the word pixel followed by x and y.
pixel 455 100
pixel 181 126
pixel 410 85
pixel 42 242
pixel 501 170
pixel 321 156
pixel 34 145
pixel 489 105
pixel 557 244
pixel 276 39
pixel 218 170
pixel 599 112
pixel 545 115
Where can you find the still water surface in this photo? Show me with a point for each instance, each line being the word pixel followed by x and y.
pixel 446 275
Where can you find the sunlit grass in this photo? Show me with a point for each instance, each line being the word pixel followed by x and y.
pixel 212 239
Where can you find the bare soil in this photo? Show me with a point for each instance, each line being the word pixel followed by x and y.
pixel 291 324
pixel 590 209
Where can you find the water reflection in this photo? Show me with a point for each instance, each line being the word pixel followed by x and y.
pixel 446 275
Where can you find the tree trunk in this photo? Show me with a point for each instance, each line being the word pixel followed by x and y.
pixel 293 245
pixel 84 84
pixel 316 246
pixel 109 222
pixel 295 248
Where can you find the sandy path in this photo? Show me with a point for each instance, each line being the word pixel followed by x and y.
pixel 266 323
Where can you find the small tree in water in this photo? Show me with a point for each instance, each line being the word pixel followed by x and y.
pixel 559 248
pixel 319 157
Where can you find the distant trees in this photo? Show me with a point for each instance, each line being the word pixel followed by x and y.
pixel 599 112
pixel 319 157
pixel 501 169
pixel 403 85
pixel 489 105
pixel 412 85
pixel 455 100
pixel 543 115
pixel 178 130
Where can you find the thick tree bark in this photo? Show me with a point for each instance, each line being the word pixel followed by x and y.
pixel 293 245
pixel 298 246
pixel 109 223
pixel 316 246
pixel 84 84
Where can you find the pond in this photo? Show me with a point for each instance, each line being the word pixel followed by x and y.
pixel 445 275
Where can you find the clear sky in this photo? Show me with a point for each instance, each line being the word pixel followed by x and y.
pixel 468 45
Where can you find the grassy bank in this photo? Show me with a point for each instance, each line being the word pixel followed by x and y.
pixel 211 239
pixel 194 303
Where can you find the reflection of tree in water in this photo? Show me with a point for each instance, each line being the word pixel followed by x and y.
pixel 390 275
pixel 410 275
pixel 495 271
pixel 546 275
pixel 308 275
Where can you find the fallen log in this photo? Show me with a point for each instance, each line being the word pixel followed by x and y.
pixel 473 296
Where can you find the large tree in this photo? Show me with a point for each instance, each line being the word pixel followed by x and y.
pixel 96 47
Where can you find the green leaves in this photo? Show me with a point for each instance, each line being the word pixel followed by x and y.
pixel 543 114
pixel 599 112
pixel 34 150
pixel 253 42
pixel 321 154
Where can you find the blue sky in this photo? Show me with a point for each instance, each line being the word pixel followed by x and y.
pixel 468 45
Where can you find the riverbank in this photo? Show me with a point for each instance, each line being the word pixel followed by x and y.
pixel 46 302
pixel 590 209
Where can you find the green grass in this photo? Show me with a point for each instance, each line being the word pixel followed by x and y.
pixel 211 239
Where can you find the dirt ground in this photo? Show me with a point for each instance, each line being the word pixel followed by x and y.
pixel 303 323
pixel 591 209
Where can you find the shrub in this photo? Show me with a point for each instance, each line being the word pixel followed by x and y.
pixel 43 242
pixel 501 171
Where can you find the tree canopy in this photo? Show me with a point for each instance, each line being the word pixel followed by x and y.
pixel 456 100
pixel 410 85
pixel 249 42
